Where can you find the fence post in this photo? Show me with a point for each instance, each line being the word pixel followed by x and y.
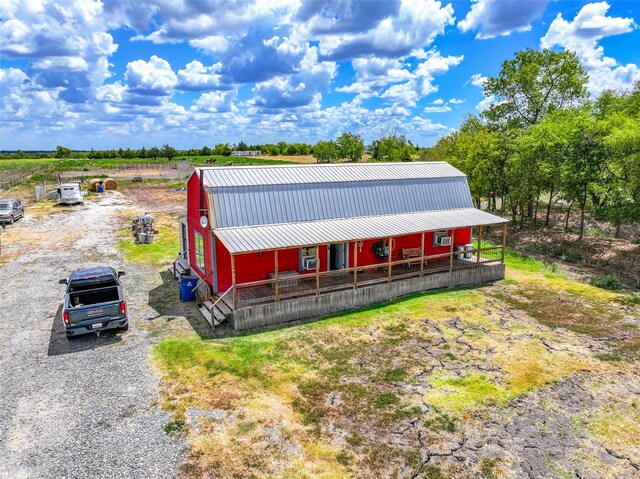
pixel 451 251
pixel 479 246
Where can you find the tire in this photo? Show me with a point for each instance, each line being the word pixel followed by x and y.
pixel 11 220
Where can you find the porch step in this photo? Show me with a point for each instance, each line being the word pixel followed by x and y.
pixel 228 302
pixel 224 308
pixel 206 313
pixel 214 316
pixel 182 268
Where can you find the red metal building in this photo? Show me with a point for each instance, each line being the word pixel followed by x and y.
pixel 270 234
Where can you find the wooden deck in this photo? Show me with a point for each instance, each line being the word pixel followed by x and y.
pixel 251 296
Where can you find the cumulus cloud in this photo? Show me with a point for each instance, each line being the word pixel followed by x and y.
pixel 216 102
pixel 437 109
pixel 582 35
pixel 196 77
pixel 415 26
pixel 456 101
pixel 501 17
pixel 155 77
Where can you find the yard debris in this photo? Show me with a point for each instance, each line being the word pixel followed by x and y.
pixel 143 230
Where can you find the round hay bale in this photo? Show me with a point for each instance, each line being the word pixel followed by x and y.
pixel 110 184
pixel 94 184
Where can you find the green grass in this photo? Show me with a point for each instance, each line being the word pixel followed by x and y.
pixel 26 163
pixel 161 252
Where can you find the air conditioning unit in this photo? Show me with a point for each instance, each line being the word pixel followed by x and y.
pixel 441 240
pixel 309 263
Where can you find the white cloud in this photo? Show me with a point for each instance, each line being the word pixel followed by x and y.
pixel 216 102
pixel 197 77
pixel 501 17
pixel 154 77
pixel 439 101
pixel 582 35
pixel 437 109
pixel 477 79
pixel 456 101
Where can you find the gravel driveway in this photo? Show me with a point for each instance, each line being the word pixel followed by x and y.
pixel 81 408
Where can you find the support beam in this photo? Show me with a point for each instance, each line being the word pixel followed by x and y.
pixel 479 246
pixel 317 270
pixel 277 277
pixel 422 255
pixel 390 255
pixel 233 282
pixel 453 232
pixel 355 265
pixel 504 240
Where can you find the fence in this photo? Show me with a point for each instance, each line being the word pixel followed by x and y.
pixel 10 183
pixel 148 166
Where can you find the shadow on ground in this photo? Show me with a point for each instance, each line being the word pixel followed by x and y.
pixel 59 344
pixel 165 299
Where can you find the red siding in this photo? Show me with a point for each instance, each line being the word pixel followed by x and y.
pixel 255 267
pixel 193 224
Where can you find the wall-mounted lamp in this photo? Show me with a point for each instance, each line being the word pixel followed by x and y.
pixel 260 253
pixel 360 245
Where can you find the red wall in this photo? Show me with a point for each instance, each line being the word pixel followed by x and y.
pixel 193 224
pixel 255 267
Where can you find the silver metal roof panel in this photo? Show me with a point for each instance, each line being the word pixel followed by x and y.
pixel 292 235
pixel 221 176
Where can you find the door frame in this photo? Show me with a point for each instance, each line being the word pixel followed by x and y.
pixel 345 245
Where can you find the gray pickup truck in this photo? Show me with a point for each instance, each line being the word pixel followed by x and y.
pixel 94 302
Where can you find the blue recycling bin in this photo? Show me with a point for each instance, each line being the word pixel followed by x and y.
pixel 100 189
pixel 187 286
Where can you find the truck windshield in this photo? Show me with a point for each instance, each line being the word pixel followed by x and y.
pixel 5 206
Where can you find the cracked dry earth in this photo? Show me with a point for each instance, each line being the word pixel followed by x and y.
pixel 451 385
pixel 539 435
pixel 81 408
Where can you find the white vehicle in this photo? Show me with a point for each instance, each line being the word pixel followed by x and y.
pixel 70 194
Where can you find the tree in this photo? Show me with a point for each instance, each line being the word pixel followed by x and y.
pixel 205 151
pixel 62 152
pixel 154 153
pixel 168 152
pixel 391 147
pixel 142 152
pixel 350 146
pixel 222 149
pixel 325 151
pixel 534 84
pixel 242 146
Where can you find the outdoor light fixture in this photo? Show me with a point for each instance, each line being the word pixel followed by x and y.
pixel 360 244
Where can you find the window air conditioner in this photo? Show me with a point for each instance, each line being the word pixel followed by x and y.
pixel 309 263
pixel 443 240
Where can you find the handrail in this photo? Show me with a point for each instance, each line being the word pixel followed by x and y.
pixel 200 281
pixel 221 296
pixel 180 255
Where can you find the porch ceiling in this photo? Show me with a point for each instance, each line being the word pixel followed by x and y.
pixel 291 235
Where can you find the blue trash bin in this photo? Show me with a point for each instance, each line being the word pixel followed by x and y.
pixel 100 189
pixel 187 284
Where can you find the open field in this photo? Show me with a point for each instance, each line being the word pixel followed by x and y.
pixel 533 377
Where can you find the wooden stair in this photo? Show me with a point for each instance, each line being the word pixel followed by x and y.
pixel 181 268
pixel 216 312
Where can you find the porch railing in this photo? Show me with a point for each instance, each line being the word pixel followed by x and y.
pixel 319 282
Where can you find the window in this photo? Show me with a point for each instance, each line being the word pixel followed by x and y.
pixel 307 258
pixel 199 244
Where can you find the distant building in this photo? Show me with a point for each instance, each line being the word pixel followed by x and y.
pixel 247 153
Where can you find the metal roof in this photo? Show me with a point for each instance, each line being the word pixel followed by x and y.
pixel 219 176
pixel 249 196
pixel 291 235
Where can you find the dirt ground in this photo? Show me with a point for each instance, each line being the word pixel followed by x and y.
pixel 87 407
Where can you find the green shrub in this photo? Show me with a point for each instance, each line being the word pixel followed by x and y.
pixel 609 281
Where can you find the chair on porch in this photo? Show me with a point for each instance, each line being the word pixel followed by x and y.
pixel 408 253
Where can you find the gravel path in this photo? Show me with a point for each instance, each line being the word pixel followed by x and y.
pixel 81 408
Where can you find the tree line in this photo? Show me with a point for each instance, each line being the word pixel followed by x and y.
pixel 545 139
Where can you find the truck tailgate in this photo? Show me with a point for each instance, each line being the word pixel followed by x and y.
pixel 94 312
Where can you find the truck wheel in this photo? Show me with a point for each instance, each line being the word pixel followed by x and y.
pixel 11 220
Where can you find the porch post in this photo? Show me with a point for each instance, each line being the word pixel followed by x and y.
pixel 422 255
pixel 479 245
pixel 355 265
pixel 233 282
pixel 317 270
pixel 275 266
pixel 453 232
pixel 504 240
pixel 390 254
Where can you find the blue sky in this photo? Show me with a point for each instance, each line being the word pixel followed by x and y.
pixel 131 73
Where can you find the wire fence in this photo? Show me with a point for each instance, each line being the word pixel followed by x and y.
pixel 16 180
